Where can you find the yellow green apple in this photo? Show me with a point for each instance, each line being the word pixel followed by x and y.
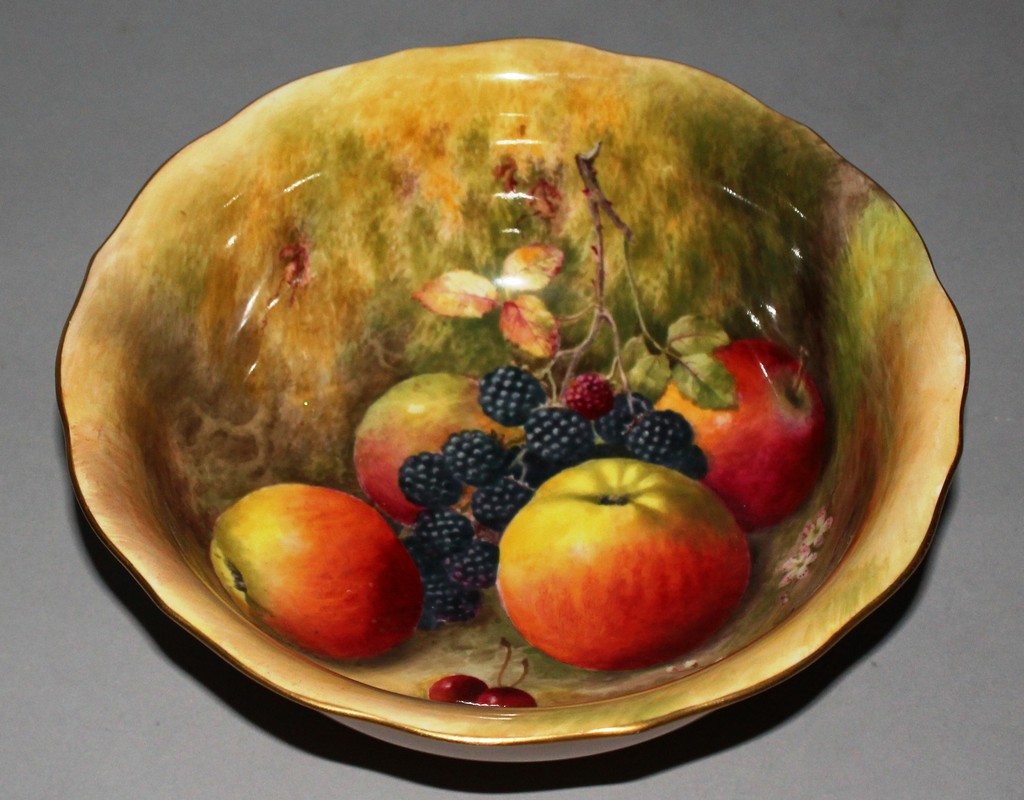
pixel 320 567
pixel 619 564
pixel 414 416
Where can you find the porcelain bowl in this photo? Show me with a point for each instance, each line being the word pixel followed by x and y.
pixel 456 210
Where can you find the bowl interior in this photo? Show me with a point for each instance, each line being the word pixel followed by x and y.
pixel 261 294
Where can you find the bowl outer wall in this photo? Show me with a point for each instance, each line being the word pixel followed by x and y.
pixel 897 525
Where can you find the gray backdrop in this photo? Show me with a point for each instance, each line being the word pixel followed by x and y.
pixel 105 698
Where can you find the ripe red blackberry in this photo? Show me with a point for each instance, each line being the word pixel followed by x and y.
pixel 626 409
pixel 445 529
pixel 475 566
pixel 559 435
pixel 426 481
pixel 494 506
pixel 591 395
pixel 474 457
pixel 660 437
pixel 509 394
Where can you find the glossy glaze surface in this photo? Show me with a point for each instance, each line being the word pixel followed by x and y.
pixel 285 271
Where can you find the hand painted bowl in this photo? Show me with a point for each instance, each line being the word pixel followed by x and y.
pixel 428 218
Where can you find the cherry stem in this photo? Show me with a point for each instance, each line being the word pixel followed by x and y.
pixel 504 665
pixel 526 671
pixel 508 657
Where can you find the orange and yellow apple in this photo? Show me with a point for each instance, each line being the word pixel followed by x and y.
pixel 320 567
pixel 619 564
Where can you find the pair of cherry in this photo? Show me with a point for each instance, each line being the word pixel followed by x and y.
pixel 473 691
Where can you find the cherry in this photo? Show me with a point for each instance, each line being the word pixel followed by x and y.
pixel 467 689
pixel 505 697
pixel 457 689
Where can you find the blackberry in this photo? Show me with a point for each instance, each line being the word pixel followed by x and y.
pixel 495 505
pixel 660 437
pixel 426 481
pixel 446 601
pixel 535 470
pixel 475 567
pixel 591 395
pixel 605 450
pixel 426 558
pixel 626 408
pixel 529 468
pixel 474 457
pixel 559 435
pixel 444 529
pixel 692 462
pixel 509 394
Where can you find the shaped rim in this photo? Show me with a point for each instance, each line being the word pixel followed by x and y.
pixel 890 544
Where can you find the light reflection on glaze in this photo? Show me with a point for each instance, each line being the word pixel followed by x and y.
pixel 301 181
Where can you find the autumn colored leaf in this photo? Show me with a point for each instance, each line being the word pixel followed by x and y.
pixel 459 293
pixel 546 200
pixel 531 267
pixel 506 172
pixel 527 323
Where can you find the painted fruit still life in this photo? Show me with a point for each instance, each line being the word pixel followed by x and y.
pixel 569 483
pixel 514 393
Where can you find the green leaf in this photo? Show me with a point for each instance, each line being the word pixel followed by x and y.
pixel 705 381
pixel 632 351
pixel 692 335
pixel 650 375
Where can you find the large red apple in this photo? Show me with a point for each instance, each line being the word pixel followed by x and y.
pixel 320 567
pixel 414 416
pixel 766 454
pixel 619 564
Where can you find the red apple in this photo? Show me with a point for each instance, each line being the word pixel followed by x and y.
pixel 320 567
pixel 414 416
pixel 619 564
pixel 766 454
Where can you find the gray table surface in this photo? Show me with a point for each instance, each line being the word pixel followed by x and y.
pixel 103 697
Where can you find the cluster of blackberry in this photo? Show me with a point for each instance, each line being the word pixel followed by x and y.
pixel 454 565
pixel 457 558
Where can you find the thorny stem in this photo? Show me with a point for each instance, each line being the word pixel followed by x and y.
pixel 598 202
pixel 595 196
pixel 599 207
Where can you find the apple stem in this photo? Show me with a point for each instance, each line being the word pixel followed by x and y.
pixel 794 394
